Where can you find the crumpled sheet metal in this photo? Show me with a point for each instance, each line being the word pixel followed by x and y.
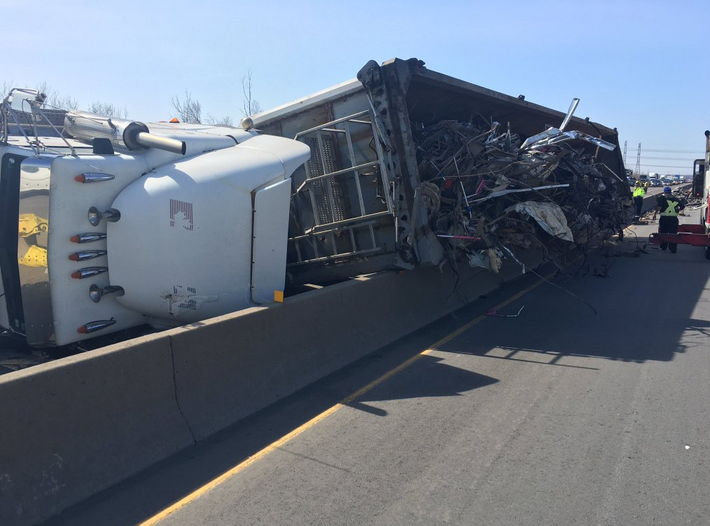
pixel 554 136
pixel 549 216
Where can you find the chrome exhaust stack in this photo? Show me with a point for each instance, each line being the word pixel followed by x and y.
pixel 132 135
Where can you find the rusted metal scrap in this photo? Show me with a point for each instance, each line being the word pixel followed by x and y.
pixel 496 191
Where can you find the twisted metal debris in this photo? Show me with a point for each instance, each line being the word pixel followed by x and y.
pixel 486 192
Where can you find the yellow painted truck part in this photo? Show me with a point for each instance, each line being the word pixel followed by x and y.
pixel 34 257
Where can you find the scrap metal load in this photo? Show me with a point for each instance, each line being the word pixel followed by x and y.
pixel 488 191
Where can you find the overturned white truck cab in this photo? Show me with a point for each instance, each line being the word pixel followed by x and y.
pixel 127 224
pixel 121 224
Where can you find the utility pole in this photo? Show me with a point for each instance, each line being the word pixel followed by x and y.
pixel 625 143
pixel 637 170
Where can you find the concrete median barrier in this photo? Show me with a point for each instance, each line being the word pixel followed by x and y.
pixel 649 202
pixel 79 425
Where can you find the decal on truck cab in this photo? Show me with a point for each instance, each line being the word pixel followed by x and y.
pixel 181 214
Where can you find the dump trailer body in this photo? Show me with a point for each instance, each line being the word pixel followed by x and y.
pixel 360 204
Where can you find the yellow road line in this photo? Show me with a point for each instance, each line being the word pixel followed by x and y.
pixel 322 416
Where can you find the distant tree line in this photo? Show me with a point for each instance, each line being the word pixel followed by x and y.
pixel 188 109
pixel 56 101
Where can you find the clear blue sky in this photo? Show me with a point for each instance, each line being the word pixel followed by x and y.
pixel 639 66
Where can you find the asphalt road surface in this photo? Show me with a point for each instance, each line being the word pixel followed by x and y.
pixel 559 416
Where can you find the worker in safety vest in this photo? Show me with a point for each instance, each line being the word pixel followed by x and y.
pixel 670 207
pixel 639 192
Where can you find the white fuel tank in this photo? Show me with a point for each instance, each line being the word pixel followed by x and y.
pixel 182 248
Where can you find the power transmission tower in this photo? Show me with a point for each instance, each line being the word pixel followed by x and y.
pixel 625 165
pixel 637 170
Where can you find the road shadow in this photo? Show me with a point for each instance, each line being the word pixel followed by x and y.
pixel 427 377
pixel 144 495
pixel 647 308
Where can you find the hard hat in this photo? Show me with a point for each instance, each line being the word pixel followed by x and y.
pixel 638 183
pixel 667 190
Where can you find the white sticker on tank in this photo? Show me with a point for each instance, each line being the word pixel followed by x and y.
pixel 180 303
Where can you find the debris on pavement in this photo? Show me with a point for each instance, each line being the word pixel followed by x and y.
pixel 495 313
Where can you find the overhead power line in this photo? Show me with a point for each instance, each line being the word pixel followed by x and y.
pixel 687 159
pixel 667 166
pixel 696 152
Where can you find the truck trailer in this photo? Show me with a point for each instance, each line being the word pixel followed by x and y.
pixel 109 224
